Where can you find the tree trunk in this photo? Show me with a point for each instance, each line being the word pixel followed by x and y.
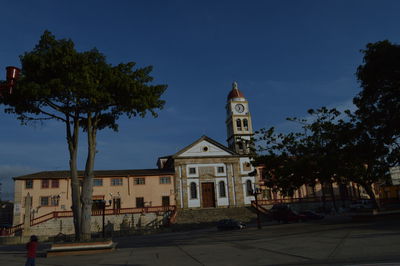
pixel 72 139
pixel 323 197
pixel 333 196
pixel 371 194
pixel 87 189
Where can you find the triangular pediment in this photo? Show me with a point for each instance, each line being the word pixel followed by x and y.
pixel 205 147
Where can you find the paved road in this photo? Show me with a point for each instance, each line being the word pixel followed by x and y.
pixel 331 242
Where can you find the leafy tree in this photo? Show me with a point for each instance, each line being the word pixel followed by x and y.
pixel 81 90
pixel 279 156
pixel 334 148
pixel 377 119
pixel 363 157
pixel 305 157
pixel 379 100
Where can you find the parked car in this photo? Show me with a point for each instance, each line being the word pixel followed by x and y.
pixel 310 215
pixel 360 204
pixel 283 213
pixel 230 224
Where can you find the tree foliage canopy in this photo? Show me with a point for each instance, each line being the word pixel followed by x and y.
pixel 57 80
pixel 378 102
pixel 332 148
pixel 306 157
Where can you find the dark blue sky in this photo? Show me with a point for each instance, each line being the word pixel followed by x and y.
pixel 287 57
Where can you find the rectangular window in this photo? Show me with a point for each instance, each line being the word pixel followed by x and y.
pixel 192 170
pixel 116 182
pixel 221 169
pixel 139 181
pixel 45 183
pixel 28 184
pixel 165 201
pixel 55 183
pixel 165 180
pixel 97 182
pixel 44 201
pixel 140 202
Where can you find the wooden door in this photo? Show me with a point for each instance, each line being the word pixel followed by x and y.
pixel 140 202
pixel 165 201
pixel 208 195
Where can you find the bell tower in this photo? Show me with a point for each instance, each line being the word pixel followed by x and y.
pixel 238 121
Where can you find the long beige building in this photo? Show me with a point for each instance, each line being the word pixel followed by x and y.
pixel 51 191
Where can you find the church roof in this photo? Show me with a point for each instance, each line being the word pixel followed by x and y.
pixel 209 140
pixel 235 92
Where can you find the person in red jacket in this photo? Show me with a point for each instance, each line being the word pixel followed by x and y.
pixel 31 246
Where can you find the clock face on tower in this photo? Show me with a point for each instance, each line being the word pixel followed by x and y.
pixel 239 108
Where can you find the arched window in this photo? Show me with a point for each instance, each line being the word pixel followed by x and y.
pixel 222 191
pixel 239 124
pixel 245 124
pixel 249 188
pixel 193 190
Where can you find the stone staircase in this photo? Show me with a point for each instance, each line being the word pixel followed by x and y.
pixel 197 216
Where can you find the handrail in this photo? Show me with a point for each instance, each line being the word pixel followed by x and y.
pixel 259 207
pixel 11 230
pixel 298 200
pixel 291 200
pixel 63 214
pixel 43 218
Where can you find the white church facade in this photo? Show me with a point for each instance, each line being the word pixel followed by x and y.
pixel 211 175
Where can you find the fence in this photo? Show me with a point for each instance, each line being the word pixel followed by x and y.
pixel 62 214
pixel 385 203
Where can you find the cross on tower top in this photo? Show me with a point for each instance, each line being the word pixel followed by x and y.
pixel 234 85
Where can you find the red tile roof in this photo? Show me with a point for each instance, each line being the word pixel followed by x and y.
pixel 235 93
pixel 98 173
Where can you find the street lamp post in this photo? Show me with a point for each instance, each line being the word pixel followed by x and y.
pixel 255 193
pixel 12 74
pixel 103 203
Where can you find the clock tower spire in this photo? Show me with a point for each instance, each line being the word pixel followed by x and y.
pixel 238 121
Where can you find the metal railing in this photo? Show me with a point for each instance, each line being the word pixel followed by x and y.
pixel 295 200
pixel 259 207
pixel 63 214
pixel 11 230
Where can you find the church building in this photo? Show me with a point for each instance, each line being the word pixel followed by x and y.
pixel 209 174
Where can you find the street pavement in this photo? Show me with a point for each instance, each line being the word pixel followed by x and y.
pixel 332 241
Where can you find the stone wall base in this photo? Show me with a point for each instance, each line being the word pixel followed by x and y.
pixel 112 223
